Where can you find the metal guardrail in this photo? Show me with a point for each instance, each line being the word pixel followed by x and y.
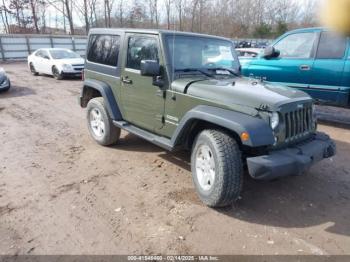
pixel 18 47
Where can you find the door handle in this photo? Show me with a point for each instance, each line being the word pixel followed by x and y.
pixel 305 67
pixel 126 80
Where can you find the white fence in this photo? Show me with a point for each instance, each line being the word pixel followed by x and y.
pixel 18 47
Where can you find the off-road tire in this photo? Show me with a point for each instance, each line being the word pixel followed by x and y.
pixel 112 133
pixel 56 74
pixel 228 181
pixel 32 70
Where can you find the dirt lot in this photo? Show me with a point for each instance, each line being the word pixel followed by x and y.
pixel 61 193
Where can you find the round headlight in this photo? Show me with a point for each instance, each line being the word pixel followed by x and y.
pixel 274 120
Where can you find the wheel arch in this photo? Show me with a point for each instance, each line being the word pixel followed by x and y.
pixel 53 66
pixel 95 88
pixel 195 126
pixel 198 119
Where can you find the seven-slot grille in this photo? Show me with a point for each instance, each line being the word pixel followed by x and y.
pixel 78 67
pixel 298 122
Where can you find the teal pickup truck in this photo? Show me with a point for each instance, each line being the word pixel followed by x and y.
pixel 314 60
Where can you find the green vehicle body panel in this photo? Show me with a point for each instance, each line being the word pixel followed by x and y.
pixel 167 110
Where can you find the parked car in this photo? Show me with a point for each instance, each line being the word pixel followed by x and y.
pixel 244 44
pixel 181 91
pixel 5 83
pixel 262 44
pixel 314 60
pixel 58 62
pixel 251 43
pixel 245 55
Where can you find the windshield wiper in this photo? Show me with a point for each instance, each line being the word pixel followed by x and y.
pixel 233 72
pixel 194 70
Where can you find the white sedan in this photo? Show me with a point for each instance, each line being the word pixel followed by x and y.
pixel 58 62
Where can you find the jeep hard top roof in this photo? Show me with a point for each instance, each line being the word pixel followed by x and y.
pixel 150 31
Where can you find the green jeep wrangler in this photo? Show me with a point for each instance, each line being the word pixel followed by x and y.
pixel 183 91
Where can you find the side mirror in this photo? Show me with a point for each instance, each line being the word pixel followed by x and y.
pixel 150 68
pixel 47 57
pixel 271 52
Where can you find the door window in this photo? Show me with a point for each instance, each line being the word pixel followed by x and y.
pixel 45 54
pixel 332 46
pixel 104 49
pixel 297 45
pixel 141 48
pixel 39 53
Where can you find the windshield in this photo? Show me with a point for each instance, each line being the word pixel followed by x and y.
pixel 62 54
pixel 200 53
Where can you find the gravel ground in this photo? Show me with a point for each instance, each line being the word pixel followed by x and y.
pixel 61 193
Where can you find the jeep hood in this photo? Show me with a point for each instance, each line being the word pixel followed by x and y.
pixel 240 92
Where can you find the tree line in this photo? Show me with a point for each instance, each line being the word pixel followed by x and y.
pixel 230 18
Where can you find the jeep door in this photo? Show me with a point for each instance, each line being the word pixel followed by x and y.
pixel 294 64
pixel 142 102
pixel 327 70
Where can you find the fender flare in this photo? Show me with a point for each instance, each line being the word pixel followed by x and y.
pixel 107 94
pixel 260 133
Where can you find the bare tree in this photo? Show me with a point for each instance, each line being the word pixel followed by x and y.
pixel 137 15
pixel 4 16
pixel 168 7
pixel 195 4
pixel 33 6
pixel 66 11
pixel 231 18
pixel 86 10
pixel 108 5
pixel 308 14
pixel 180 4
pixel 153 11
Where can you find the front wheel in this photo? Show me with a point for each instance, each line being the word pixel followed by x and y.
pixel 217 169
pixel 100 124
pixel 32 70
pixel 56 73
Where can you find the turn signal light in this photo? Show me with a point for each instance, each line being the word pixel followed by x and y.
pixel 245 136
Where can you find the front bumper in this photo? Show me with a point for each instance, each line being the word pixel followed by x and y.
pixel 71 73
pixel 293 160
pixel 5 84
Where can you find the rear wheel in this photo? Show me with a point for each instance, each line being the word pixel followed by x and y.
pixel 32 70
pixel 56 74
pixel 217 169
pixel 100 124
